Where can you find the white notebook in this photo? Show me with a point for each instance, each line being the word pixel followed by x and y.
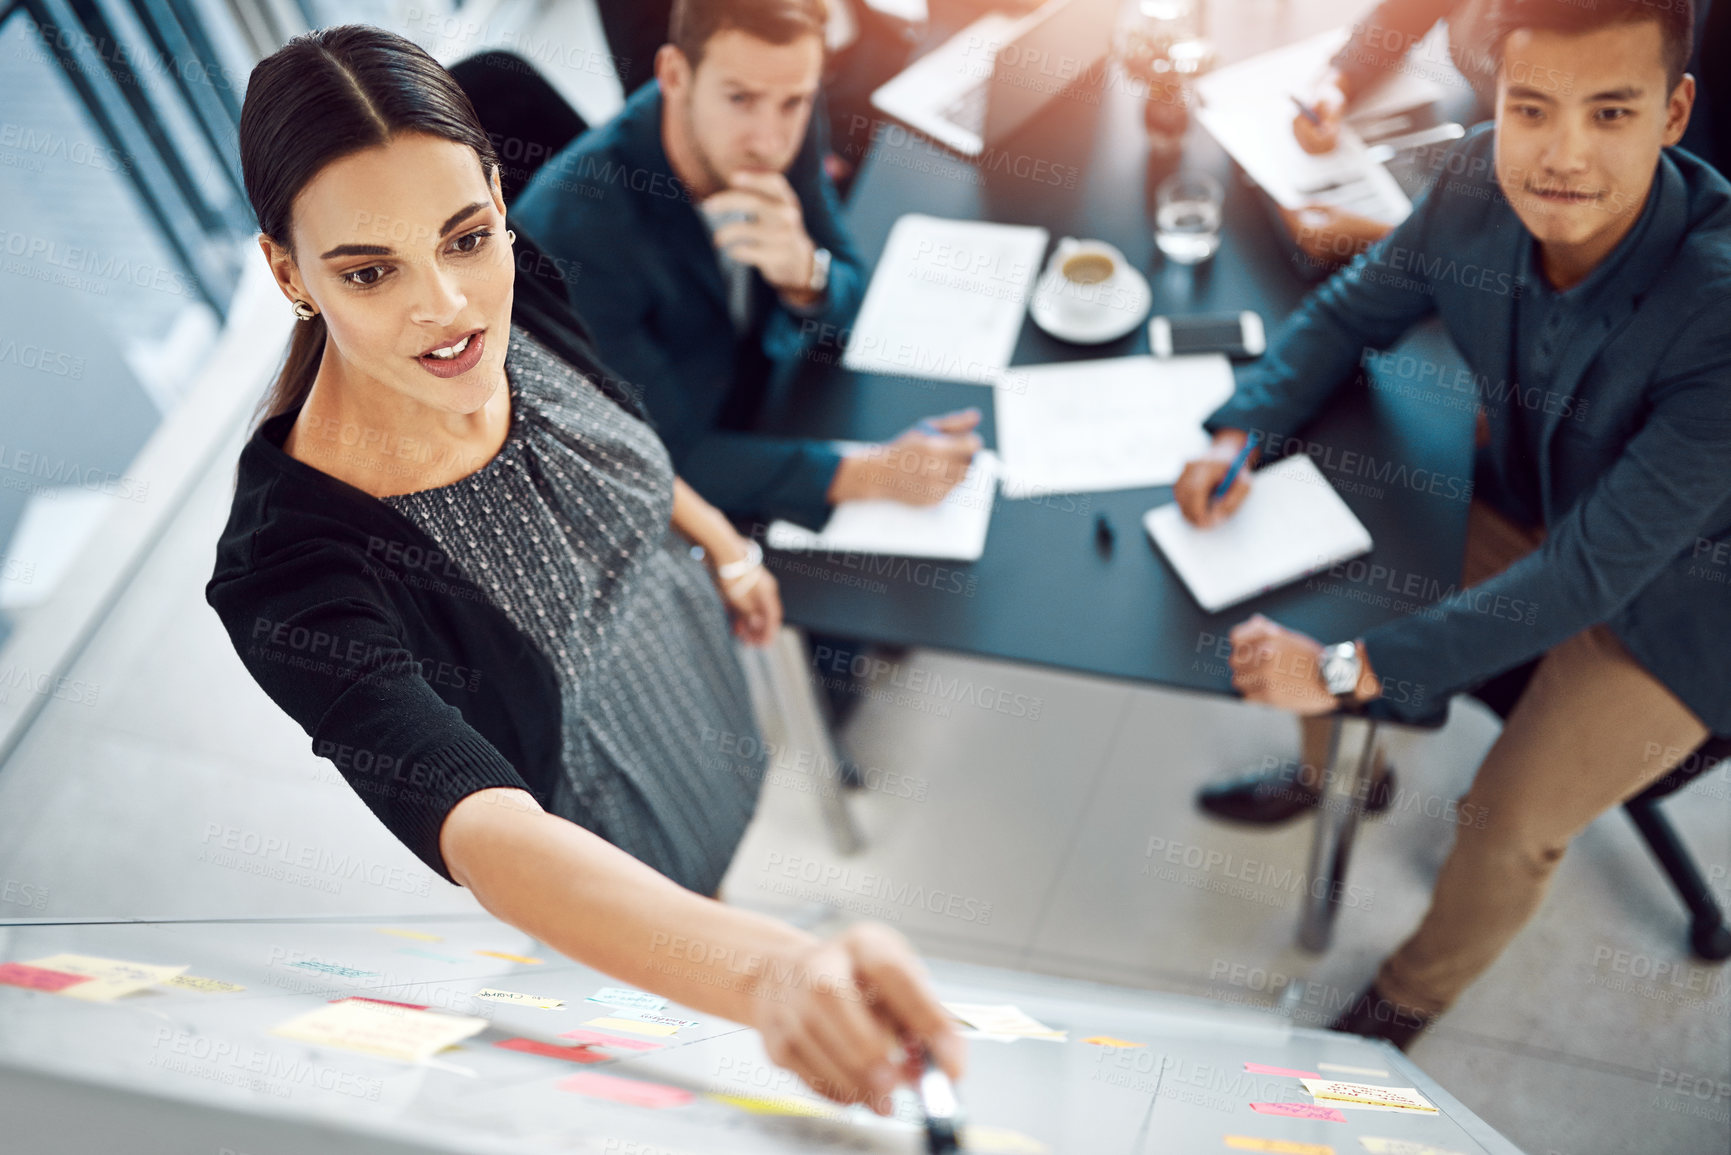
pixel 1292 525
pixel 952 530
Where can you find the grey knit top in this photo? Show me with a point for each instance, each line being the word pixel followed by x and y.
pixel 567 529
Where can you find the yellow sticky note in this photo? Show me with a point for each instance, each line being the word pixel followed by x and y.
pixel 1335 1092
pixel 1003 1019
pixel 1109 1041
pixel 659 1030
pixel 1378 1146
pixel 1277 1146
pixel 110 978
pixel 415 934
pixel 516 958
pixel 203 986
pixel 521 1000
pixel 1000 1141
pixel 371 1028
pixel 785 1105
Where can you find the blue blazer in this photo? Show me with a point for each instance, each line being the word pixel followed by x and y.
pixel 1634 466
pixel 642 272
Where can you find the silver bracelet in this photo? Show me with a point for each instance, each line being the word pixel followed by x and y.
pixel 734 570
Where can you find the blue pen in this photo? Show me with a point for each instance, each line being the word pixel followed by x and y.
pixel 929 427
pixel 1238 463
pixel 1310 113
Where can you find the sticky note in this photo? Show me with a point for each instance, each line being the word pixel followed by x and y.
pixel 574 1054
pixel 383 1002
pixel 626 997
pixel 420 934
pixel 376 1029
pixel 545 1004
pixel 1277 1146
pixel 1401 1147
pixel 203 986
pixel 1109 1041
pixel 419 953
pixel 38 978
pixel 650 1017
pixel 325 968
pixel 516 958
pixel 110 978
pixel 657 1030
pixel 1000 1141
pixel 1368 1072
pixel 782 1105
pixel 1264 1069
pixel 634 1092
pixel 1337 1093
pixel 1002 1019
pixel 589 1038
pixel 1300 1111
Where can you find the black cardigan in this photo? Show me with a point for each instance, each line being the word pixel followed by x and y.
pixel 402 671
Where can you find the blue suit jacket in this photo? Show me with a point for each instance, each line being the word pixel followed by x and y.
pixel 642 272
pixel 1634 471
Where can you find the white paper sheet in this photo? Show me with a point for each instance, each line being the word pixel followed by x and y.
pixel 947 299
pixel 952 530
pixel 1118 423
pixel 1292 525
pixel 1292 70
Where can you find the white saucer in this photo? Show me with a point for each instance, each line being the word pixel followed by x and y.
pixel 1112 320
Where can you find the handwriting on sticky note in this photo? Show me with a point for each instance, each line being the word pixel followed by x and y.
pixel 110 978
pixel 1276 1146
pixel 1264 1069
pixel 526 960
pixel 780 1105
pixel 520 1000
pixel 1335 1092
pixel 588 1038
pixel 1000 1141
pixel 651 1017
pixel 1300 1111
pixel 634 1092
pixel 38 978
pixel 633 1026
pixel 202 985
pixel 626 997
pixel 1109 1041
pixel 374 1028
pixel 420 934
pixel 573 1054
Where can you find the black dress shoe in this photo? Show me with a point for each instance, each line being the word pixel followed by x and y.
pixel 1275 795
pixel 1375 1017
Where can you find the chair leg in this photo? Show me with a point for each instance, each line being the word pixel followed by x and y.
pixel 1352 749
pixel 1708 934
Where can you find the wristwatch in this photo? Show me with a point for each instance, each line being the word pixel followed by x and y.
pixel 1342 666
pixel 819 271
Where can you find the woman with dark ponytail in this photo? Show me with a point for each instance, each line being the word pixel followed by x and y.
pixel 459 558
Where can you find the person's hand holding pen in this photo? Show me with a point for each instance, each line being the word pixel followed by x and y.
pixel 1213 486
pixel 1320 113
pixel 920 467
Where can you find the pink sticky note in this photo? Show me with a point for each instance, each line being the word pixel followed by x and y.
pixel 37 978
pixel 552 1050
pixel 1263 1069
pixel 382 1002
pixel 601 1039
pixel 1300 1111
pixel 629 1091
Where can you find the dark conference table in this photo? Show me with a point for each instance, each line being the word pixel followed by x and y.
pixel 1399 451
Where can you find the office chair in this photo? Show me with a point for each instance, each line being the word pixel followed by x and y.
pixel 525 117
pixel 1709 937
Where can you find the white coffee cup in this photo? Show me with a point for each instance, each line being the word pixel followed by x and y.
pixel 1086 280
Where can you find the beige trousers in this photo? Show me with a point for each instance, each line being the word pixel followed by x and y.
pixel 1592 729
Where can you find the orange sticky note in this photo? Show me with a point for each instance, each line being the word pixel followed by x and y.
pixel 1109 1041
pixel 516 958
pixel 1277 1146
pixel 578 1054
pixel 634 1092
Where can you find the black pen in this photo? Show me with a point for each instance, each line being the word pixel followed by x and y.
pixel 1103 534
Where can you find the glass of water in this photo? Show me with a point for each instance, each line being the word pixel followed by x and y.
pixel 1187 217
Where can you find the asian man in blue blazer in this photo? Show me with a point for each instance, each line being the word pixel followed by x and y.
pixel 1582 265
